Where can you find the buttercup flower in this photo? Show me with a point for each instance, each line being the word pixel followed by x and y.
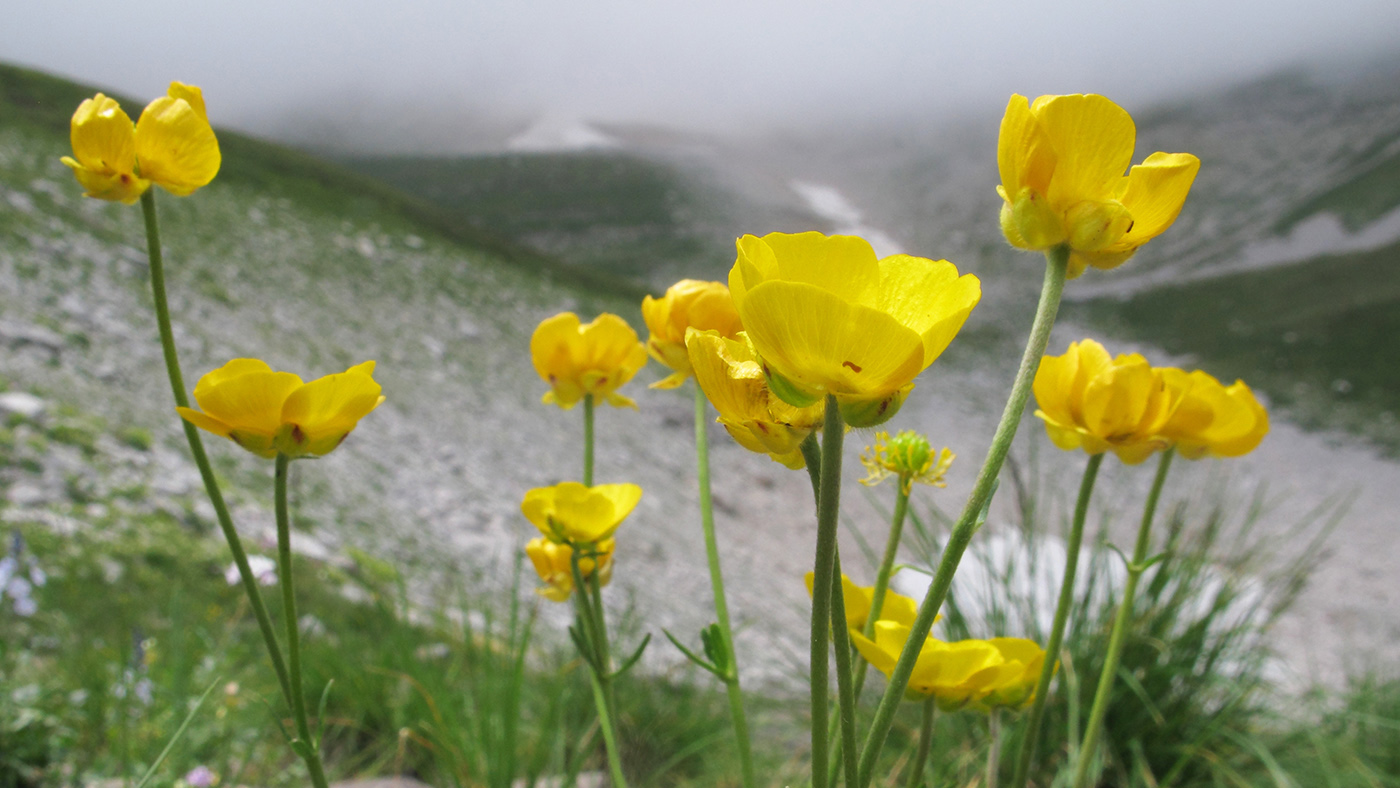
pixel 1091 401
pixel 570 513
pixel 954 673
pixel 1014 685
pixel 895 607
pixel 908 457
pixel 1214 419
pixel 172 145
pixel 270 412
pixel 596 359
pixel 704 306
pixel 1062 160
pixel 827 317
pixel 554 562
pixel 729 373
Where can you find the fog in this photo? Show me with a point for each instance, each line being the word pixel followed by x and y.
pixel 442 73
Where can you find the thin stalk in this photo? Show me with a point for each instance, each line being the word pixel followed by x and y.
pixel 993 747
pixel 587 440
pixel 588 602
pixel 1057 263
pixel 206 471
pixel 828 512
pixel 707 523
pixel 845 697
pixel 916 771
pixel 310 750
pixel 1120 623
pixel 812 453
pixel 877 601
pixel 1026 754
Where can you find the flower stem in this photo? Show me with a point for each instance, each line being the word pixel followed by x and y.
pixel 916 769
pixel 828 511
pixel 206 472
pixel 1057 263
pixel 310 749
pixel 993 746
pixel 588 602
pixel 1026 754
pixel 587 440
pixel 845 696
pixel 877 601
pixel 1120 624
pixel 707 523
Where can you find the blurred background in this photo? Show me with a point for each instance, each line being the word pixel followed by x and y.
pixel 421 183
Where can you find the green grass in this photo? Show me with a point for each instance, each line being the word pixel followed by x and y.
pixel 609 212
pixel 1317 337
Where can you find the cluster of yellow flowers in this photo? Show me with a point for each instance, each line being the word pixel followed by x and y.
pixel 1091 401
pixel 572 517
pixel 986 674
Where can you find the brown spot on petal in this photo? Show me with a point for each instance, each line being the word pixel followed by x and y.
pixel 235 439
pixel 852 366
pixel 298 435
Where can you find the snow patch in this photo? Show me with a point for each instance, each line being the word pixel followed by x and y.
pixel 846 219
pixel 553 134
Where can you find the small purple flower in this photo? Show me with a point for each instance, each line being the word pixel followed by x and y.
pixel 201 777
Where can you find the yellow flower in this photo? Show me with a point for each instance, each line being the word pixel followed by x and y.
pixel 827 317
pixel 570 513
pixel 953 673
pixel 1062 161
pixel 1091 401
pixel 895 607
pixel 554 562
pixel 729 373
pixel 1014 685
pixel 172 145
pixel 269 412
pixel 596 359
pixel 908 456
pixel 704 306
pixel 1214 419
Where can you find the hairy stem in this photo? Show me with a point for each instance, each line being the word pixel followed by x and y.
pixel 1057 264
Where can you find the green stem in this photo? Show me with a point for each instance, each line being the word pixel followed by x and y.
pixel 812 453
pixel 993 746
pixel 310 750
pixel 206 471
pixel 1057 630
pixel 587 440
pixel 877 601
pixel 707 523
pixel 916 771
pixel 1120 624
pixel 1057 263
pixel 845 696
pixel 828 512
pixel 588 601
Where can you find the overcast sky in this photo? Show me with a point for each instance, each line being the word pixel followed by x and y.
pixel 720 65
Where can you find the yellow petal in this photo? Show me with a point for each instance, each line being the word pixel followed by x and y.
pixel 1154 192
pixel 1093 141
pixel 104 144
pixel 323 412
pixel 929 297
pixel 235 368
pixel 1115 399
pixel 1054 386
pixel 841 264
pixel 250 402
pixel 572 512
pixel 1025 157
pixel 821 343
pixel 192 95
pixel 176 146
